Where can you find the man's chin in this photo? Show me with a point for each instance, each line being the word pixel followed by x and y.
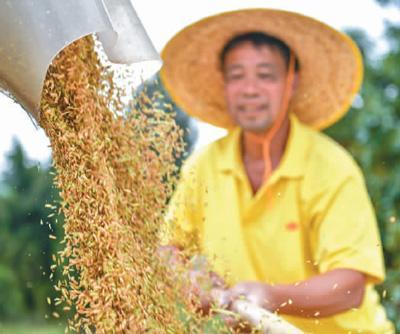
pixel 257 128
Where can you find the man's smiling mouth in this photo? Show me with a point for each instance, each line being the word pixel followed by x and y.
pixel 252 109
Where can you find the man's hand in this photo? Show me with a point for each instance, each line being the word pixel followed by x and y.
pixel 200 288
pixel 199 280
pixel 257 293
pixel 223 299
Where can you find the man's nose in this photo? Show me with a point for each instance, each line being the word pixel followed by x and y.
pixel 250 88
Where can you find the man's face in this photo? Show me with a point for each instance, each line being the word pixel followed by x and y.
pixel 254 79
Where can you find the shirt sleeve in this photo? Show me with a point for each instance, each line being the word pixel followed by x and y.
pixel 183 217
pixel 345 232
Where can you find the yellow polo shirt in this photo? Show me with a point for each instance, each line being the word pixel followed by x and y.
pixel 313 215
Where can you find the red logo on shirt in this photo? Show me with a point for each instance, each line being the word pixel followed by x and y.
pixel 292 226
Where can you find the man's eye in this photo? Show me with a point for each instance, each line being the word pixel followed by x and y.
pixel 234 76
pixel 269 76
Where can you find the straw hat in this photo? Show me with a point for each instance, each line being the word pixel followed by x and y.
pixel 330 65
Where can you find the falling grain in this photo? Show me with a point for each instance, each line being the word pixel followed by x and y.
pixel 115 173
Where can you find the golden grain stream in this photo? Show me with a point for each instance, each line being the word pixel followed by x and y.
pixel 115 172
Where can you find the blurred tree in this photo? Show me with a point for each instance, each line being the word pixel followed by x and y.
pixel 25 247
pixel 371 132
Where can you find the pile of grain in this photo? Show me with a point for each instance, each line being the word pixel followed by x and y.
pixel 115 174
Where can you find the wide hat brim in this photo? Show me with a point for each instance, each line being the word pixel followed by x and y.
pixel 330 65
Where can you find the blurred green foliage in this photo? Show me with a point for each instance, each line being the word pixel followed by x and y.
pixel 25 247
pixel 31 328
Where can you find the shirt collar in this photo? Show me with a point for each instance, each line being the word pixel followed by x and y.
pixel 293 160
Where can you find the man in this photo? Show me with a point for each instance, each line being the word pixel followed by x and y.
pixel 279 209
